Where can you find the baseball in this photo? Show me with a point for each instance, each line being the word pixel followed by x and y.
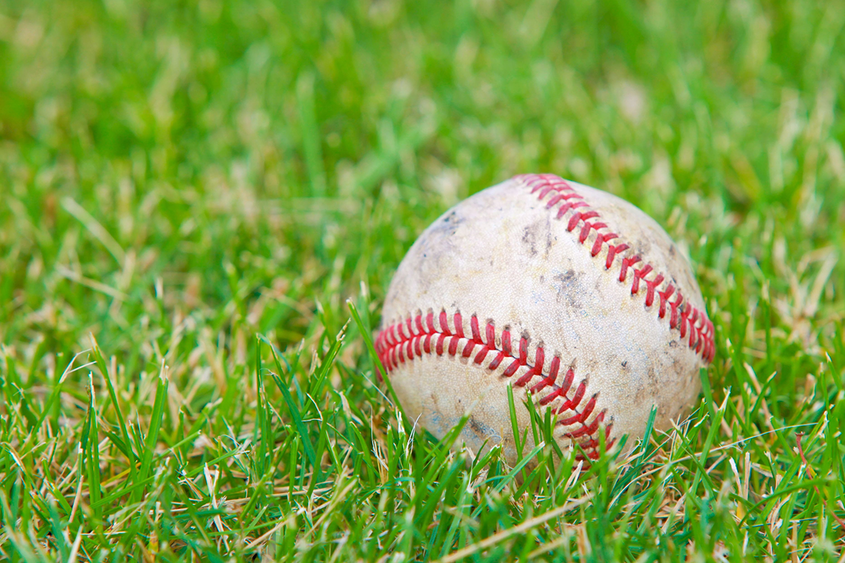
pixel 558 290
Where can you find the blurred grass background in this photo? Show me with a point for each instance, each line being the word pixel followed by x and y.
pixel 178 177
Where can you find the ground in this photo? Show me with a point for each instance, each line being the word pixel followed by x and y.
pixel 202 204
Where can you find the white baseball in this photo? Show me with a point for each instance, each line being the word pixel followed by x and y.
pixel 556 289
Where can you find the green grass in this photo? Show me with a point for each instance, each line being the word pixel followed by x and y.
pixel 195 198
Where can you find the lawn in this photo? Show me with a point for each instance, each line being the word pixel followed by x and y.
pixel 202 205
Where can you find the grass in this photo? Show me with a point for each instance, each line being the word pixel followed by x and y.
pixel 201 205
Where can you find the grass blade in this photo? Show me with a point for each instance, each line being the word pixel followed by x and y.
pixel 151 439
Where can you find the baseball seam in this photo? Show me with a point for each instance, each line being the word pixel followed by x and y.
pixel 585 220
pixel 417 335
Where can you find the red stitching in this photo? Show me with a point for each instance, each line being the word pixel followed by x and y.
pixel 651 286
pixel 612 251
pixel 683 316
pixel 626 262
pixel 664 298
pixel 560 391
pixel 600 240
pixel 638 275
pixel 421 330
